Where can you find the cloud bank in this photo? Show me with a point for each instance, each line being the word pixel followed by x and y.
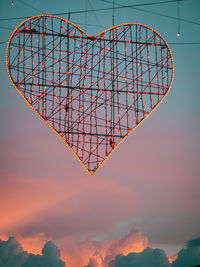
pixel 190 255
pixel 100 253
pixel 149 257
pixel 187 257
pixel 13 255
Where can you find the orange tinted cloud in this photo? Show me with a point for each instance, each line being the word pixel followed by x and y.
pixel 173 258
pixel 100 253
pixel 36 210
pixel 33 244
pixel 81 253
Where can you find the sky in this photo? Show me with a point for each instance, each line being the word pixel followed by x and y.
pixel 145 195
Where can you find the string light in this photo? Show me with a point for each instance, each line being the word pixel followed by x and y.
pixel 101 101
pixel 12 3
pixel 178 34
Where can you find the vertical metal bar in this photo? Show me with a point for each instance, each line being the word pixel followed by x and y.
pixel 113 82
pixel 68 77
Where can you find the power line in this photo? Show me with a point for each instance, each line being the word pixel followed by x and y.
pixel 101 9
pixel 95 14
pixel 88 24
pixel 120 6
pixel 76 22
pixel 6 28
pixel 192 43
pixel 170 43
pixel 155 13
pixel 36 9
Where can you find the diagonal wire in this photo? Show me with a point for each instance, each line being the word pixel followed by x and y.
pixel 96 17
pixel 6 28
pixel 36 9
pixel 102 9
pixel 154 13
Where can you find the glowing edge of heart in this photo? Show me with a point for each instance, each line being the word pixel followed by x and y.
pixel 124 24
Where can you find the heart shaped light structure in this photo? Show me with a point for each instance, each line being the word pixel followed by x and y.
pixel 93 91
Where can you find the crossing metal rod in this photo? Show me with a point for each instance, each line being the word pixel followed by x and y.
pixel 113 82
pixel 68 82
pixel 43 58
pixel 92 134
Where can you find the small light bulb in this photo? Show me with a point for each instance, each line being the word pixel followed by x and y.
pixel 178 34
pixel 12 3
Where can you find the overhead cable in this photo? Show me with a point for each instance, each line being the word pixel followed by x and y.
pixel 155 13
pixel 100 9
pixel 36 9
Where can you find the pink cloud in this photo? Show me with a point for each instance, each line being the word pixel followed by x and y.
pixel 100 253
pixel 81 253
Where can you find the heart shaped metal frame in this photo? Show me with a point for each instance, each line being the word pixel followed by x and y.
pixel 93 91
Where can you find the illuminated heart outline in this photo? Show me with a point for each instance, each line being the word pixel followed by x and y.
pixel 94 37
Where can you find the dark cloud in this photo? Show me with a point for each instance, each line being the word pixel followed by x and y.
pixel 189 256
pixel 13 255
pixel 149 257
pixel 194 242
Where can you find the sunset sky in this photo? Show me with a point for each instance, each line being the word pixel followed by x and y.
pixel 146 193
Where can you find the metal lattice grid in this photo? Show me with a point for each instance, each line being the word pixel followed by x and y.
pixel 93 91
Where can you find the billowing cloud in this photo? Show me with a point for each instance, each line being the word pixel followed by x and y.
pixel 149 257
pixel 190 255
pixel 91 253
pixel 76 254
pixel 100 253
pixel 13 255
pixel 96 260
pixel 194 242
